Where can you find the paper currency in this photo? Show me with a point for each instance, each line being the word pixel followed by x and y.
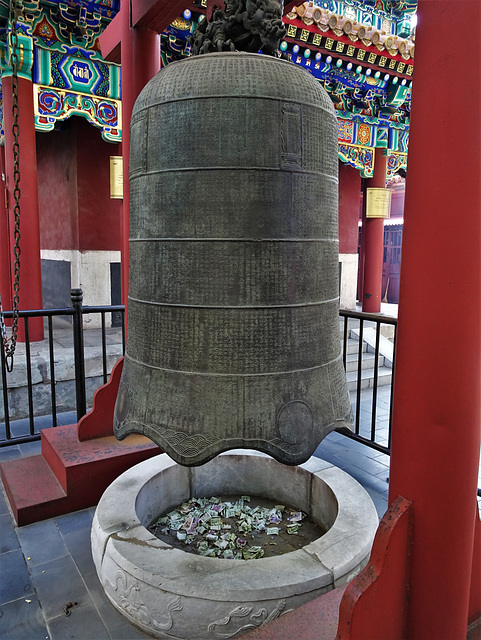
pixel 224 529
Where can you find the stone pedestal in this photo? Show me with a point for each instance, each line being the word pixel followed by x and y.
pixel 173 594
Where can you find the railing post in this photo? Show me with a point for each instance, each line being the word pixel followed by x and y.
pixel 76 296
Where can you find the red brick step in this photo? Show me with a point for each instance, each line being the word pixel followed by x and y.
pixel 77 464
pixel 69 475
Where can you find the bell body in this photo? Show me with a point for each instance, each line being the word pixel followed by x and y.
pixel 233 330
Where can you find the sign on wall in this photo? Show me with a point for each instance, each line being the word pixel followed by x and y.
pixel 378 203
pixel 116 177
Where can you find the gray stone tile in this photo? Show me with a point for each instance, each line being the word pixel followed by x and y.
pixel 15 582
pixel 335 437
pixel 22 620
pixel 327 455
pixel 21 428
pixel 92 339
pixel 364 449
pixel 57 583
pixel 43 422
pixel 41 542
pixel 111 618
pixel 374 454
pixel 64 340
pixel 382 429
pixel 384 398
pixel 328 448
pixel 380 502
pixel 30 448
pixel 69 417
pixel 385 495
pixel 383 457
pixel 382 411
pixel 11 452
pixel 361 461
pixel 83 623
pixel 78 544
pixel 74 521
pixel 384 475
pixel 8 537
pixel 338 461
pixel 367 480
pixel 3 501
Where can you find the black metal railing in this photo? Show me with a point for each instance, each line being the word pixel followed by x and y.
pixel 25 422
pixel 366 363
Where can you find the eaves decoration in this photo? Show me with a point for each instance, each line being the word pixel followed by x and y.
pixel 366 68
pixel 64 63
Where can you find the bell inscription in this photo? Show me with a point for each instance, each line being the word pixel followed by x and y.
pixel 233 334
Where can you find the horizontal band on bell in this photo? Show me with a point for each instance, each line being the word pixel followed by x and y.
pixel 234 375
pixel 236 307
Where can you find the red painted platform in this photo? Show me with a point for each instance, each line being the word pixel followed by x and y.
pixel 77 463
pixel 316 620
pixel 69 475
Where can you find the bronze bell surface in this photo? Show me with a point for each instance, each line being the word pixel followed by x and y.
pixel 233 329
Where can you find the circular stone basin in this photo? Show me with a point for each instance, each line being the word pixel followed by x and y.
pixel 169 593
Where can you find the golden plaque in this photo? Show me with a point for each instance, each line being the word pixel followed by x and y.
pixel 378 203
pixel 116 177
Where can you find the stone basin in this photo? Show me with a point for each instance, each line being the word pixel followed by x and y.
pixel 170 593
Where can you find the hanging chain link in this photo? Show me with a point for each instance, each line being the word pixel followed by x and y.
pixel 9 344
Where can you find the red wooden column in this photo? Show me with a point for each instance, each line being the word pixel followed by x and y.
pixel 436 414
pixel 140 61
pixel 30 269
pixel 436 426
pixel 373 232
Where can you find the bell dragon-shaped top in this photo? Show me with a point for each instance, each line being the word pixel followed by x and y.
pixel 244 25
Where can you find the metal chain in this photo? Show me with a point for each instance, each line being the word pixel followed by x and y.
pixel 3 329
pixel 9 344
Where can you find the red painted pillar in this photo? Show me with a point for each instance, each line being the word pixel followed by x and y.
pixel 5 284
pixel 436 419
pixel 373 232
pixel 140 61
pixel 30 269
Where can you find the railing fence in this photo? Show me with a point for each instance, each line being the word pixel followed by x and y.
pixel 27 401
pixel 373 367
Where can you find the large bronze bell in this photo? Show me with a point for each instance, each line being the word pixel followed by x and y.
pixel 233 334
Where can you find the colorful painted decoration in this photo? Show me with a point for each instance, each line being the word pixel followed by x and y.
pixel 60 55
pixel 359 157
pixel 395 162
pixel 52 105
pixel 77 70
pixel 363 134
